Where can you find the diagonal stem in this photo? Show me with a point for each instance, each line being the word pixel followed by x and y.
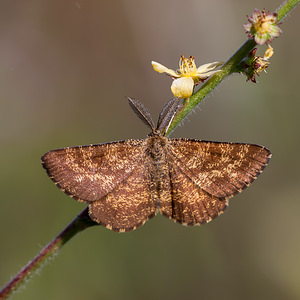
pixel 286 8
pixel 81 222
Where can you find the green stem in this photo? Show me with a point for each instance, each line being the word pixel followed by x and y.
pixel 81 222
pixel 226 70
pixel 285 8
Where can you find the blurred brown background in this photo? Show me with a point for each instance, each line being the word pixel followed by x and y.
pixel 65 67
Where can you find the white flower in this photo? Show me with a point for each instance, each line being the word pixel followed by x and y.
pixel 187 76
pixel 262 26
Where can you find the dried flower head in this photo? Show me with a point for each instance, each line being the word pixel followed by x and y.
pixel 187 76
pixel 252 65
pixel 262 26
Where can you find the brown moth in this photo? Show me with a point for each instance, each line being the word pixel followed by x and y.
pixel 127 182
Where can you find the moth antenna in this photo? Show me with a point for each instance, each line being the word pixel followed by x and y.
pixel 142 112
pixel 167 114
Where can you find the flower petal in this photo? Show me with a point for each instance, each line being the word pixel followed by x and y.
pixel 275 31
pixel 268 53
pixel 162 69
pixel 247 26
pixel 261 38
pixel 203 75
pixel 183 87
pixel 208 67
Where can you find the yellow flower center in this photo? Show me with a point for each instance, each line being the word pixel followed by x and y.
pixel 263 23
pixel 187 66
pixel 262 26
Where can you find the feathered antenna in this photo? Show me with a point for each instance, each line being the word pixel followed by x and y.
pixel 142 112
pixel 167 114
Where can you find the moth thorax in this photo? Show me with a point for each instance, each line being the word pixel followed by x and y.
pixel 156 147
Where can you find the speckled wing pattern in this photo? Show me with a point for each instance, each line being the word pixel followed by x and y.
pixel 127 182
pixel 113 178
pixel 204 175
pixel 130 204
pixel 221 169
pixel 189 204
pixel 87 173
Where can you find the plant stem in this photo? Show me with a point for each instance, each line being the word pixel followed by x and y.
pixel 285 8
pixel 81 222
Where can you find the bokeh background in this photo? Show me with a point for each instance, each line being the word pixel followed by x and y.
pixel 65 69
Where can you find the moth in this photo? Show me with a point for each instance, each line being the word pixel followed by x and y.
pixel 127 182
